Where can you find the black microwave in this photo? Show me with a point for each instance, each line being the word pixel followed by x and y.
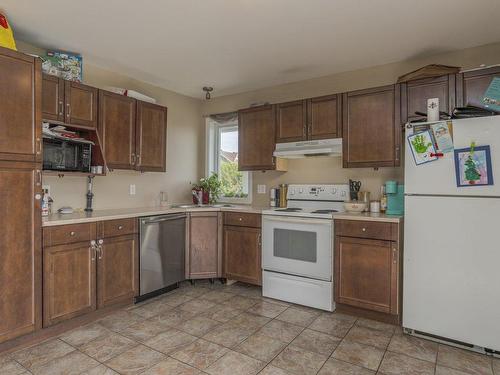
pixel 66 155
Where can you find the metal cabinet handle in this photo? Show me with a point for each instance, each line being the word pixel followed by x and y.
pixel 138 160
pixel 394 255
pixel 364 229
pixel 120 227
pixel 93 248
pixel 38 146
pixel 38 177
pixel 397 153
pixel 61 108
pixel 260 239
pixel 132 159
pixel 99 247
pixel 72 233
pixel 68 110
pixel 240 219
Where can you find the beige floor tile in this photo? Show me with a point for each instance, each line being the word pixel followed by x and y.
pixel 176 299
pixel 250 320
pixel 198 326
pixel 200 353
pixel 333 324
pixel 496 366
pixel 222 313
pixel 120 320
pixel 100 370
pixel 397 364
pixel 197 306
pixel 373 324
pixel 359 354
pixel 217 296
pixel 282 331
pixel 40 354
pixel 267 309
pixel 148 310
pixel 135 360
pixel 173 317
pixel 473 363
pixel 335 367
pixel 195 291
pixel 72 363
pixel 276 301
pixel 171 366
pixel 107 347
pixel 317 342
pixel 240 302
pixel 261 347
pixel 299 361
pixel 170 341
pixel 83 335
pixel 143 331
pixel 252 292
pixel 229 334
pixel 368 336
pixel 298 317
pixel 233 363
pixel 440 370
pixel 414 347
pixel 273 370
pixel 10 367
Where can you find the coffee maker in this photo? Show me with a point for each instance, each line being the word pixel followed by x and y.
pixel 395 198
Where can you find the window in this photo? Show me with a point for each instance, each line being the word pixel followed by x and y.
pixel 222 158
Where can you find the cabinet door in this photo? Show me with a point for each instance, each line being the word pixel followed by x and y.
pixel 52 98
pixel 20 107
pixel 69 274
pixel 20 249
pixel 204 255
pixel 414 95
pixel 117 270
pixel 371 127
pixel 256 138
pixel 472 85
pixel 81 104
pixel 291 121
pixel 117 129
pixel 242 254
pixel 151 137
pixel 366 274
pixel 324 117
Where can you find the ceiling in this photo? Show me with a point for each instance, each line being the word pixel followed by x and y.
pixel 241 45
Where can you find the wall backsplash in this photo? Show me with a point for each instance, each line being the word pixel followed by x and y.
pixel 326 170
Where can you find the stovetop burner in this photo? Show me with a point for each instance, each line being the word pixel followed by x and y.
pixel 324 211
pixel 289 209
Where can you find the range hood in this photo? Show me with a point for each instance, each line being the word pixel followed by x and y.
pixel 320 147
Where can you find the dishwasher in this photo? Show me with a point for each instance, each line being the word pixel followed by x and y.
pixel 162 254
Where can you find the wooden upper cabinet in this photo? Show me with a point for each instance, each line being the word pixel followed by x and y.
pixel 20 107
pixel 371 127
pixel 117 270
pixel 414 95
pixel 117 129
pixel 291 121
pixel 256 138
pixel 151 137
pixel 52 98
pixel 242 254
pixel 472 85
pixel 69 274
pixel 204 251
pixel 20 249
pixel 80 104
pixel 324 117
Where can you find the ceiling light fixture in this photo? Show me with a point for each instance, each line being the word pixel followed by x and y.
pixel 208 90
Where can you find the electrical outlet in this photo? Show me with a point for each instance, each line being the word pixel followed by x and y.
pixel 131 190
pixel 261 189
pixel 46 189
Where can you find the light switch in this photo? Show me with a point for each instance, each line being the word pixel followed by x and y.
pixel 261 189
pixel 132 190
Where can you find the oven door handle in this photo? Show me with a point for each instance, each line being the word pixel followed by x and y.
pixel 298 220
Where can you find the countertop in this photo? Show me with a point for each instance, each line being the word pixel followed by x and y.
pixel 123 213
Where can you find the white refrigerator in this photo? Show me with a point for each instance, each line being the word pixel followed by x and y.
pixel 451 275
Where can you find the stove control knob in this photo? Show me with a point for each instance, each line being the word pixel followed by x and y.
pixel 334 190
pixel 343 194
pixel 291 191
pixel 301 191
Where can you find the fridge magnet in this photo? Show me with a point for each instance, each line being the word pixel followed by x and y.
pixel 443 136
pixel 473 166
pixel 422 147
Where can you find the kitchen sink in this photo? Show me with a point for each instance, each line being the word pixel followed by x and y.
pixel 202 206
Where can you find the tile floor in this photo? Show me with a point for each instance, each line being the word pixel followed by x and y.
pixel 232 330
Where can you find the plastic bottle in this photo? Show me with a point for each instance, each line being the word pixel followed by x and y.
pixel 383 199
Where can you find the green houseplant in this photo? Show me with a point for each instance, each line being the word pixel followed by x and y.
pixel 211 188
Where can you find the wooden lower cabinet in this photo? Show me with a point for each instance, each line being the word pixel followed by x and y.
pixel 242 254
pixel 204 250
pixel 69 274
pixel 117 270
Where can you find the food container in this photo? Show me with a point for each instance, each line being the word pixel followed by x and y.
pixel 375 206
pixel 354 206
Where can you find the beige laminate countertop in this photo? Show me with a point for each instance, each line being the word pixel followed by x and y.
pixel 123 213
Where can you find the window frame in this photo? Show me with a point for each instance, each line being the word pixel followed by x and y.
pixel 213 133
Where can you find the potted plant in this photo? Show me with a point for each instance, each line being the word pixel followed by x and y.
pixel 210 188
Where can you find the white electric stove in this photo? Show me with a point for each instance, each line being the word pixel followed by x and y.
pixel 297 245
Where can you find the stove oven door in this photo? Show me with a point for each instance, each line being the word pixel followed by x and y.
pixel 298 246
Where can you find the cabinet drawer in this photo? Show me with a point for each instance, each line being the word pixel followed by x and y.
pixel 242 219
pixel 364 229
pixel 113 228
pixel 71 233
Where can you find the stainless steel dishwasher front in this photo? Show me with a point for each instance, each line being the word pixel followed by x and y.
pixel 162 253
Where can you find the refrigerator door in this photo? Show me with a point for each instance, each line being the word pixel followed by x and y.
pixel 438 177
pixel 451 268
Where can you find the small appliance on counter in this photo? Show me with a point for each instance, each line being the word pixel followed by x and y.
pixel 66 155
pixel 395 198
